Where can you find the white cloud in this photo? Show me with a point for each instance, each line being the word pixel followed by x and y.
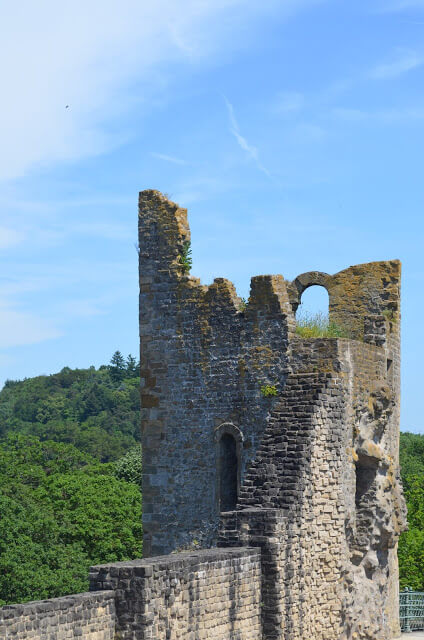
pixel 55 232
pixel 5 360
pixel 250 150
pixel 350 115
pixel 166 158
pixel 81 308
pixel 18 328
pixel 404 62
pixel 102 59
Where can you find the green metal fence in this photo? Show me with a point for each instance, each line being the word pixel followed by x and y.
pixel 411 610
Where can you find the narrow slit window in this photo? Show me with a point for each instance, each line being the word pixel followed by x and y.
pixel 228 472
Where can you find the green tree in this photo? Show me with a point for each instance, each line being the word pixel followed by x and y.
pixel 128 467
pixel 117 366
pixel 132 367
pixel 411 543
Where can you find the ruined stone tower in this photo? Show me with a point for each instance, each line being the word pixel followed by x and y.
pixel 255 437
pixel 273 458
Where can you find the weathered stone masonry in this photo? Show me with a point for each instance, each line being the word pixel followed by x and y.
pixel 205 594
pixel 317 474
pixel 86 615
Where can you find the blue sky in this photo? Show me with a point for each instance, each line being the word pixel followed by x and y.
pixel 292 130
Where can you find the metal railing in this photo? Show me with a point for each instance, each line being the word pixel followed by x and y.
pixel 411 610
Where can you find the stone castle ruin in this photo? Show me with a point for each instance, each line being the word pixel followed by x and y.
pixel 272 501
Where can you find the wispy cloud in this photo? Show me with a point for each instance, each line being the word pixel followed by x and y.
pixel 404 62
pixel 33 277
pixel 350 115
pixel 288 102
pixel 58 231
pixel 166 158
pixel 107 230
pixel 249 149
pixel 308 132
pixel 55 315
pixel 82 308
pixel 74 73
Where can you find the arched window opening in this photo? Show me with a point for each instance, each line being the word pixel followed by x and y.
pixel 312 317
pixel 228 472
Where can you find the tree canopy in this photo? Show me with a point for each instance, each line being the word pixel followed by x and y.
pixel 70 470
pixel 97 411
pixel 411 544
pixel 62 511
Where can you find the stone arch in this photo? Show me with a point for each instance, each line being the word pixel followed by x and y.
pixel 229 442
pixel 303 282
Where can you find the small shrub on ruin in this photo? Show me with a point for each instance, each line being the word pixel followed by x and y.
pixel 389 314
pixel 242 305
pixel 185 258
pixel 269 390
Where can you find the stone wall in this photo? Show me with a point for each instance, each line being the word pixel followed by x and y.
pixel 211 594
pixel 86 615
pixel 207 595
pixel 358 296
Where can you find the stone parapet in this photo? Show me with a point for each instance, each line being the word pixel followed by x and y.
pixel 85 615
pixel 211 594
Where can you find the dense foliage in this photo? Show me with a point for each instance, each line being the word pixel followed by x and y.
pixel 98 411
pixel 411 545
pixel 61 511
pixel 64 505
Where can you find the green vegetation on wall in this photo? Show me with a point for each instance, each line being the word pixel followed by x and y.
pixel 317 325
pixel 185 257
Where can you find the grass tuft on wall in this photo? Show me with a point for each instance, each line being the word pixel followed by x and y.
pixel 317 325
